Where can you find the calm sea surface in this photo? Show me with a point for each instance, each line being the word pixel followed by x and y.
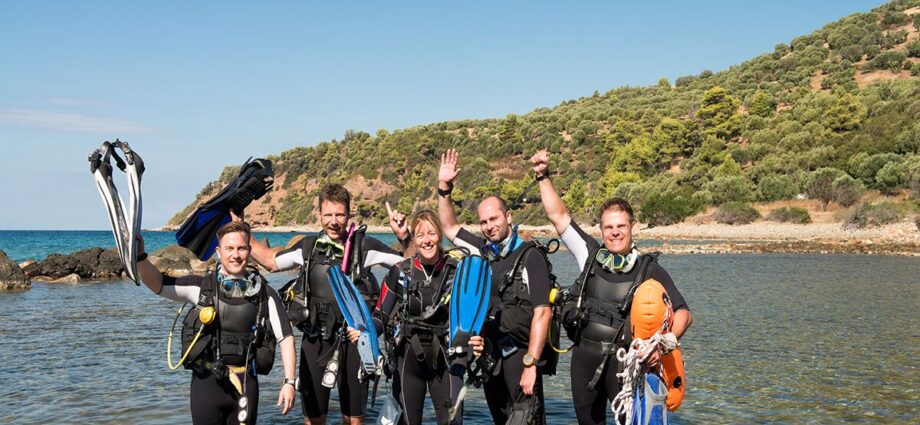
pixel 776 339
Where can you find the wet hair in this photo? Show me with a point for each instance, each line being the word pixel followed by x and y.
pixel 617 204
pixel 234 227
pixel 502 205
pixel 432 218
pixel 335 193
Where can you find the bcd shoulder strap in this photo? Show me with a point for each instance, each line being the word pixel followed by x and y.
pixel 516 269
pixel 644 262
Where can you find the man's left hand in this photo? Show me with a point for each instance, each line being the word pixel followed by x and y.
pixel 528 380
pixel 286 397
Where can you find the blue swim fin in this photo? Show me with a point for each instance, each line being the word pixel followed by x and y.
pixel 199 231
pixel 649 406
pixel 469 303
pixel 357 316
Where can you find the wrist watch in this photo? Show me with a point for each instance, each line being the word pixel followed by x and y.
pixel 293 381
pixel 529 360
pixel 445 192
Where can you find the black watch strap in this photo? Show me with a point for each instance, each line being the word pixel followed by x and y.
pixel 294 382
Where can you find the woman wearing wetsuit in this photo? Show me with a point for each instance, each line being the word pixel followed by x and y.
pixel 412 310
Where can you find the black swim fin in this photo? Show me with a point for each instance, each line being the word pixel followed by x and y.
pixel 199 231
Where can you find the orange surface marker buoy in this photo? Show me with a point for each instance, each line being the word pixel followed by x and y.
pixel 651 313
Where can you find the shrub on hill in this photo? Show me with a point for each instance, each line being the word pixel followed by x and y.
pixel 913 176
pixel 736 213
pixel 847 190
pixel 774 187
pixel 663 209
pixel 913 49
pixel 890 60
pixel 730 188
pixel 869 215
pixel 794 215
pixel 890 178
pixel 820 184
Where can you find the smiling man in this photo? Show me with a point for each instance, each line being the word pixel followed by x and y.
pixel 237 338
pixel 312 307
pixel 608 270
pixel 519 313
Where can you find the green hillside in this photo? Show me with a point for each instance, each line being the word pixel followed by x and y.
pixel 829 114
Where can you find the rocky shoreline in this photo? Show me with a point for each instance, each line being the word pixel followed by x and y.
pixel 903 239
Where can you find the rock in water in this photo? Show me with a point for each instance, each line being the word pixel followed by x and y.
pixel 56 266
pixel 12 277
pixel 71 278
pixel 92 263
pixel 175 261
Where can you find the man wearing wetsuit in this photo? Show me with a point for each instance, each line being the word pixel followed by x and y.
pixel 322 321
pixel 611 270
pixel 223 376
pixel 519 311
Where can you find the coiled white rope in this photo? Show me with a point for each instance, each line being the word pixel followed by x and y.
pixel 634 365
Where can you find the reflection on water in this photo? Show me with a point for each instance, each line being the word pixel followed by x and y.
pixel 776 338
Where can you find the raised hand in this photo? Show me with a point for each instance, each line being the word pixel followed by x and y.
pixel 449 171
pixel 540 162
pixel 398 222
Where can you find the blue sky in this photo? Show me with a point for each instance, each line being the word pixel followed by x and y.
pixel 195 86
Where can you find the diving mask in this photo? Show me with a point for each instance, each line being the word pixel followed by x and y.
pixel 618 263
pixel 329 247
pixel 238 287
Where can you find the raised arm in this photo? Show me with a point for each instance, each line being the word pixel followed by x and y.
pixel 149 274
pixel 446 177
pixel 263 254
pixel 555 209
pixel 399 223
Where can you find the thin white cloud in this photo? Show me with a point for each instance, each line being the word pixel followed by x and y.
pixel 72 101
pixel 67 122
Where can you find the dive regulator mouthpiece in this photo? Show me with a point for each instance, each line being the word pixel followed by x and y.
pixel 206 315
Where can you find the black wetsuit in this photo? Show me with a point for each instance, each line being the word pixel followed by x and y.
pixel 215 401
pixel 593 404
pixel 421 347
pixel 502 389
pixel 325 329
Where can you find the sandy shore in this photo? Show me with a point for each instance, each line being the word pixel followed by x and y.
pixel 901 238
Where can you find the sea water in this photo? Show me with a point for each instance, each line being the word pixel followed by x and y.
pixel 775 339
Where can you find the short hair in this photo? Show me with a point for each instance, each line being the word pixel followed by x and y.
pixel 502 205
pixel 335 193
pixel 234 227
pixel 617 204
pixel 432 218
